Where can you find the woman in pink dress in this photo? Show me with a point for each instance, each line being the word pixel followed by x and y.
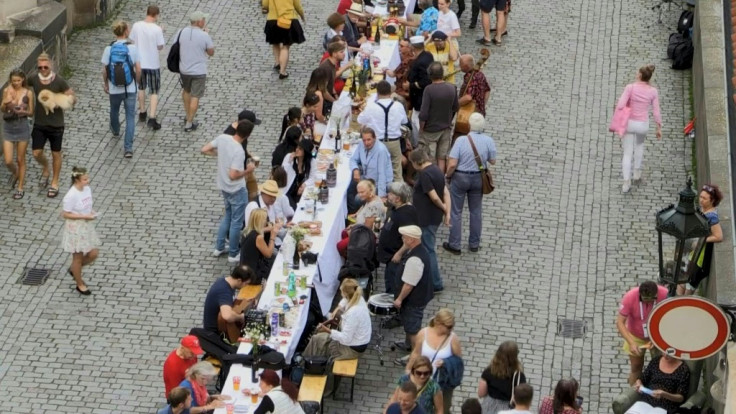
pixel 639 97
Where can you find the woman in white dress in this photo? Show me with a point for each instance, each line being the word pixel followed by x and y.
pixel 79 237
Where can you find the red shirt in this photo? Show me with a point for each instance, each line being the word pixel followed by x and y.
pixel 343 6
pixel 175 369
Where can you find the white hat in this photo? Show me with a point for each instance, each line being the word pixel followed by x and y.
pixel 356 8
pixel 198 15
pixel 411 231
pixel 416 40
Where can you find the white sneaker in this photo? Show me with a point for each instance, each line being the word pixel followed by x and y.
pixel 626 187
pixel 637 175
pixel 235 259
pixel 218 253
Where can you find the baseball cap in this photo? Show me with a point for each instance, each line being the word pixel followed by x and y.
pixel 198 15
pixel 192 343
pixel 249 115
pixel 439 35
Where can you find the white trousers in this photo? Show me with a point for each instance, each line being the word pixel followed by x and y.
pixel 633 146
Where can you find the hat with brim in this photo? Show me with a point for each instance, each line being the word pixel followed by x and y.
pixel 198 15
pixel 416 40
pixel 269 187
pixel 356 8
pixel 191 342
pixel 411 231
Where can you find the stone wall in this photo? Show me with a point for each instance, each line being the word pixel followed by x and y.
pixel 713 147
pixel 84 13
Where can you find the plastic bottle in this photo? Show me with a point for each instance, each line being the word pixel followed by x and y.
pixel 292 285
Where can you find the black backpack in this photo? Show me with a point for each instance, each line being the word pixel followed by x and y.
pixel 680 49
pixel 361 251
pixel 685 23
pixel 172 60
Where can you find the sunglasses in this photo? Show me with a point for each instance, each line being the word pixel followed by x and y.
pixel 648 298
pixel 708 189
pixel 43 67
pixel 422 373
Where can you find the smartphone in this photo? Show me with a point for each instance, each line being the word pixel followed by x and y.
pixel 579 401
pixel 645 390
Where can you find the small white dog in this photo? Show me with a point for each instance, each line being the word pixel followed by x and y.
pixel 51 101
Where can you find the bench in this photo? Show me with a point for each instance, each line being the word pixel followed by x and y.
pixel 345 368
pixel 312 389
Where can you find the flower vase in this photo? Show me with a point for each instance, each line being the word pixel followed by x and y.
pixel 362 91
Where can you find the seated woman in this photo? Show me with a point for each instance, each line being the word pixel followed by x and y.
pixel 664 383
pixel 279 395
pixel 354 335
pixel 198 375
pixel 292 136
pixel 564 401
pixel 317 85
pixel 292 119
pixel 278 174
pixel 301 169
pixel 257 244
pixel 310 106
pixel 371 210
pixel 429 396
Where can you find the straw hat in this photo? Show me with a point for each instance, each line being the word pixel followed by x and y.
pixel 269 187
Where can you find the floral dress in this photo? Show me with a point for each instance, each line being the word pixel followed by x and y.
pixel 425 397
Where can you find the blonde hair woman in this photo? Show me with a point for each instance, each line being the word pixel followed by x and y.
pixel 198 376
pixel 355 327
pixel 257 243
pixel 437 342
pixel 429 395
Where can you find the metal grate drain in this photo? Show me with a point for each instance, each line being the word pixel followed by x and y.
pixel 572 328
pixel 35 276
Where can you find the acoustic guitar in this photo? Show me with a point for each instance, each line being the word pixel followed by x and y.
pixel 462 123
pixel 233 330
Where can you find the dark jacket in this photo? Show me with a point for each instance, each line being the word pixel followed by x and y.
pixel 419 78
pixel 450 374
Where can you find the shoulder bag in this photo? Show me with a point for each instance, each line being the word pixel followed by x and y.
pixel 620 120
pixel 485 173
pixel 172 60
pixel 515 380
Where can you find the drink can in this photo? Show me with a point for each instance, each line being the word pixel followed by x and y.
pixel 282 318
pixel 286 267
pixel 303 282
pixel 277 288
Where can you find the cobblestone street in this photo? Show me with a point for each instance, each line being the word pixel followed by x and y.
pixel 560 241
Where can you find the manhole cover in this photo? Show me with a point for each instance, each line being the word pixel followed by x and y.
pixel 35 276
pixel 571 328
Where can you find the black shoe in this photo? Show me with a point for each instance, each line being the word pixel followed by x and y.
pixel 472 26
pixel 142 116
pixel 474 249
pixel 153 124
pixel 483 42
pixel 450 249
pixel 128 154
pixel 402 346
pixel 283 76
pixel 277 67
pixel 84 292
pixel 191 128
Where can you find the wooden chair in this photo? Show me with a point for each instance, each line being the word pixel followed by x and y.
pixel 345 368
pixel 312 389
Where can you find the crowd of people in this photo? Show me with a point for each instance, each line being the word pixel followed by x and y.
pixel 412 172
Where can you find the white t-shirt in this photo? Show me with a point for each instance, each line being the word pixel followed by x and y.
pixel 230 155
pixel 193 45
pixel 447 22
pixel 78 202
pixel 148 37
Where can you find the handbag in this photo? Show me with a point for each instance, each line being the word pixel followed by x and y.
pixel 620 120
pixel 485 174
pixel 283 22
pixel 515 380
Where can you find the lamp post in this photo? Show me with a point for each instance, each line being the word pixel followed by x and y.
pixel 681 232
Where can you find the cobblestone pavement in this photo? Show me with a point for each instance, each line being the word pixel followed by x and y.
pixel 560 240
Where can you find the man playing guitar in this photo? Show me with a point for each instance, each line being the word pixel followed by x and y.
pixel 220 300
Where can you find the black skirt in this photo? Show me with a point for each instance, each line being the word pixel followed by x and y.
pixel 277 36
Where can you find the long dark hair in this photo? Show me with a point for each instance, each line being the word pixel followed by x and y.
pixel 307 147
pixel 19 73
pixel 566 392
pixel 271 378
pixel 506 360
pixel 318 80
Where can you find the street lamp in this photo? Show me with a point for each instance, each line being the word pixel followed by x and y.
pixel 681 231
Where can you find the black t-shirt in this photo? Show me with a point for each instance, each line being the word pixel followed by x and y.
pixel 231 131
pixel 58 85
pixel 500 388
pixel 266 406
pixel 220 293
pixel 430 178
pixel 389 240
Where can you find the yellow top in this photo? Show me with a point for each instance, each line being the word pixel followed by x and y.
pixel 291 9
pixel 444 58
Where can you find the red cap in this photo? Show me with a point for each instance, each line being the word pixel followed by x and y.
pixel 192 343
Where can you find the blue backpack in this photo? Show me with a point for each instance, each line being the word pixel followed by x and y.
pixel 120 68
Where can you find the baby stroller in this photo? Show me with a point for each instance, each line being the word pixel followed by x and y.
pixel 361 261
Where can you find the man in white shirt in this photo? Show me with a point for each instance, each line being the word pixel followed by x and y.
pixel 196 47
pixel 230 182
pixel 149 38
pixel 523 394
pixel 267 196
pixel 385 117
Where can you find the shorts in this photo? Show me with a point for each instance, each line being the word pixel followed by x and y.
pixel 411 319
pixel 654 351
pixel 150 78
pixel 488 5
pixel 41 134
pixel 437 144
pixel 194 84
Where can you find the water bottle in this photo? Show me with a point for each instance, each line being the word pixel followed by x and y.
pixel 292 285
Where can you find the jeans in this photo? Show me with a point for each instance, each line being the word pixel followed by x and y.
pixel 392 278
pixel 472 186
pixel 129 103
pixel 429 240
pixel 633 143
pixel 232 222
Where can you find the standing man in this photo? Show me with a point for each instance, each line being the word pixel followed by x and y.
pixel 633 314
pixel 251 183
pixel 196 47
pixel 179 361
pixel 400 213
pixel 401 72
pixel 121 73
pixel 385 117
pixel 463 173
pixel 149 38
pixel 370 160
pixel 415 290
pixel 475 87
pixel 418 80
pixel 486 6
pixel 48 127
pixel 432 200
pixel 444 52
pixel 439 105
pixel 230 173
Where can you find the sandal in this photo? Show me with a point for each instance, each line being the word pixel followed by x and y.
pixel 52 192
pixel 18 195
pixel 496 42
pixel 44 181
